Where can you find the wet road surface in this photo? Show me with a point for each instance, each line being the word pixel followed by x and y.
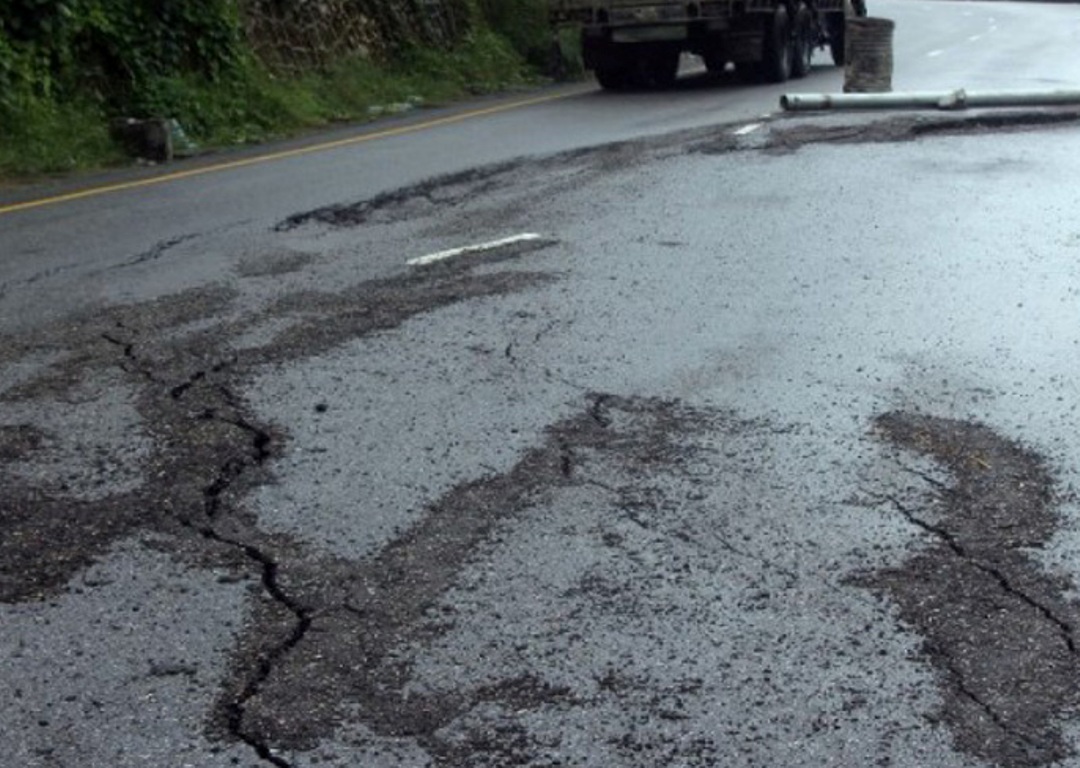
pixel 762 452
pixel 195 230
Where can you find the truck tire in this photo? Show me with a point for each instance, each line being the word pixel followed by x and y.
pixel 715 62
pixel 835 23
pixel 612 78
pixel 778 48
pixel 661 69
pixel 802 42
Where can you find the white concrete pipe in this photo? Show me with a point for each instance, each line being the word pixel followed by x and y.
pixel 959 99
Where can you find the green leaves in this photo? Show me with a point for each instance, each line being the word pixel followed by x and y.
pixel 116 45
pixel 523 23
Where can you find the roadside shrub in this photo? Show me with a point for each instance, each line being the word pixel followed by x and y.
pixel 110 49
pixel 482 63
pixel 69 66
pixel 40 135
pixel 523 23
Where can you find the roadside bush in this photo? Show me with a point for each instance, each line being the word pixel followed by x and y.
pixel 523 23
pixel 111 49
pixel 68 66
pixel 481 63
pixel 44 126
pixel 43 135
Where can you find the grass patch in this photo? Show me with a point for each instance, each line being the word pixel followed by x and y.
pixel 47 136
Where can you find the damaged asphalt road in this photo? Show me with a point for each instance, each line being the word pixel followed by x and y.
pixel 696 478
pixel 1000 630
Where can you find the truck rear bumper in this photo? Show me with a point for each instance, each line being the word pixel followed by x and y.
pixel 606 47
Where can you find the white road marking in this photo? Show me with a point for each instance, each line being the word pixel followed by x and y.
pixel 431 258
pixel 747 129
pixel 932 54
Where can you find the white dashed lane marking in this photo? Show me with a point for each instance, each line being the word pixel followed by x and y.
pixel 431 258
pixel 747 129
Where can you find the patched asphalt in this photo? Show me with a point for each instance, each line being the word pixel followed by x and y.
pixel 700 478
pixel 997 626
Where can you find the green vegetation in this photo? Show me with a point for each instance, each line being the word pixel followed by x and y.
pixel 68 67
pixel 523 23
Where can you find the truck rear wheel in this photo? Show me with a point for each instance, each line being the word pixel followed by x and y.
pixel 802 42
pixel 778 48
pixel 835 23
pixel 661 69
pixel 715 62
pixel 612 78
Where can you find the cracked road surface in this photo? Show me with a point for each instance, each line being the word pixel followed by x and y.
pixel 656 488
pixel 763 453
pixel 998 628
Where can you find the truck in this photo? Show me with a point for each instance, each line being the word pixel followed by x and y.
pixel 639 43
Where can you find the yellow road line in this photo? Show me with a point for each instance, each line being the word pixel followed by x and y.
pixel 283 155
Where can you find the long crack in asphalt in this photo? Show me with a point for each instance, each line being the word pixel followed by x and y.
pixel 208 452
pixel 1000 631
pixel 375 607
